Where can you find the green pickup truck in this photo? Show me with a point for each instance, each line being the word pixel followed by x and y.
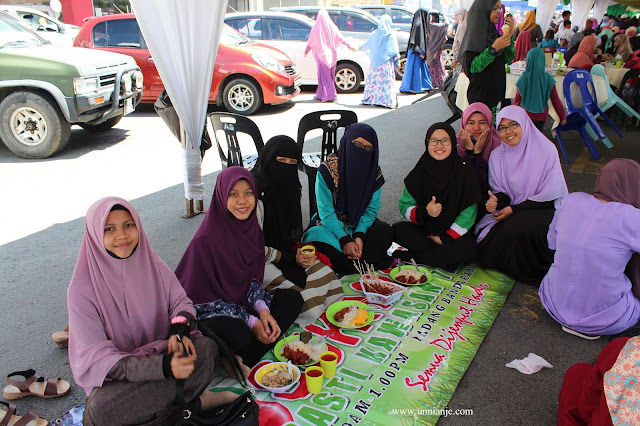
pixel 45 89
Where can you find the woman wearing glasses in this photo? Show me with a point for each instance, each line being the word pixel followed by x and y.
pixel 484 53
pixel 526 181
pixel 440 200
pixel 348 192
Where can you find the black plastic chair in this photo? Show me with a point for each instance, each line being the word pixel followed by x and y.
pixel 231 125
pixel 311 161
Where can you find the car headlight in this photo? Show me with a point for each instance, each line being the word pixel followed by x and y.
pixel 138 79
pixel 126 82
pixel 85 85
pixel 268 62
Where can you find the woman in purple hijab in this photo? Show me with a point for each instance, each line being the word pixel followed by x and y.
pixel 223 269
pixel 525 180
pixel 126 308
pixel 595 236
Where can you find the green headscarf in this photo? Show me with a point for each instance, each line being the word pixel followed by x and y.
pixel 609 35
pixel 535 84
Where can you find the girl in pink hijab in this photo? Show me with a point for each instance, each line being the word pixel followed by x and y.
pixel 324 40
pixel 127 314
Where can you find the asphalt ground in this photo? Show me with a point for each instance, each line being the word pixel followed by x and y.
pixel 35 272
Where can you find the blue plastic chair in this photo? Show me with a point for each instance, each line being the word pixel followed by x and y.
pixel 612 98
pixel 583 118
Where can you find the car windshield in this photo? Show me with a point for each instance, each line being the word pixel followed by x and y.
pixel 13 34
pixel 231 37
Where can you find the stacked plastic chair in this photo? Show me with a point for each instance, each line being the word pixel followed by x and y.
pixel 612 98
pixel 581 117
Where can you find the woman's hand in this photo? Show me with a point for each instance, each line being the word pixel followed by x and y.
pixel 351 250
pixel 502 42
pixel 563 122
pixel 503 214
pixel 481 142
pixel 434 209
pixel 452 64
pixel 182 366
pixel 270 325
pixel 360 245
pixel 509 21
pixel 305 259
pixel 466 139
pixel 492 203
pixel 175 346
pixel 436 239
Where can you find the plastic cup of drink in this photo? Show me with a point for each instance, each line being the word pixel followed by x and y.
pixel 618 64
pixel 329 362
pixel 314 376
pixel 308 249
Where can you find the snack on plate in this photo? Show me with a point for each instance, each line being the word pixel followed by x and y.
pixel 351 315
pixel 297 352
pixel 378 287
pixel 411 276
pixel 277 379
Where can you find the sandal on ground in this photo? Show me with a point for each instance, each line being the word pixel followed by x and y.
pixel 10 417
pixel 35 385
pixel 61 337
pixel 584 336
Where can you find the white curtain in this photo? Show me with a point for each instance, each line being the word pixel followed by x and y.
pixel 544 13
pixel 600 8
pixel 579 12
pixel 183 41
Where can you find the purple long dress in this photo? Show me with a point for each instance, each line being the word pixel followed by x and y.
pixel 586 288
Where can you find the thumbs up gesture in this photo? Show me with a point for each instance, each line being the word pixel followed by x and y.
pixel 492 203
pixel 434 209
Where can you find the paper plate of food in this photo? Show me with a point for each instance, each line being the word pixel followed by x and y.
pixel 299 353
pixel 349 314
pixel 276 376
pixel 410 275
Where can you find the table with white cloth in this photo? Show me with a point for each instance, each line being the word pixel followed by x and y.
pixel 615 75
pixel 510 93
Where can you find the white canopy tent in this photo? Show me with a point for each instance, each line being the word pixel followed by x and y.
pixel 183 36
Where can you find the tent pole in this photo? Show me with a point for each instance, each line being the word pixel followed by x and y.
pixel 191 212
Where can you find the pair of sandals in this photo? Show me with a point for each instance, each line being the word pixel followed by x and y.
pixel 52 387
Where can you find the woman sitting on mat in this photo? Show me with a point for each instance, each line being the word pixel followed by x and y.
pixel 348 192
pixel 223 268
pixel 595 236
pixel 440 199
pixel 476 140
pixel 126 311
pixel 280 216
pixel 526 179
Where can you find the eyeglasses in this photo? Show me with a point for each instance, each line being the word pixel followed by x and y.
pixel 511 126
pixel 443 142
pixel 368 148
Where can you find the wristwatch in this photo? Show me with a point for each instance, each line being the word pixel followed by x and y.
pixel 492 51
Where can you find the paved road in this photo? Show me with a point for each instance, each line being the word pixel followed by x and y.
pixel 41 225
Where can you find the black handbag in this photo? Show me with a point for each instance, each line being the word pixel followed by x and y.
pixel 243 411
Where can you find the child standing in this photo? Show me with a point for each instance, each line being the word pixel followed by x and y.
pixel 534 89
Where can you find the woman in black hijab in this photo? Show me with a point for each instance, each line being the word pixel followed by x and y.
pixel 441 202
pixel 484 53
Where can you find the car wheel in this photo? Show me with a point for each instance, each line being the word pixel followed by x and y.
pixel 402 63
pixel 447 55
pixel 32 126
pixel 104 126
pixel 241 96
pixel 347 78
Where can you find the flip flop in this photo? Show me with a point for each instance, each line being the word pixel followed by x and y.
pixel 35 385
pixel 577 333
pixel 11 417
pixel 61 337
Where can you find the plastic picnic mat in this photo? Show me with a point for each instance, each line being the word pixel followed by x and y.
pixel 405 364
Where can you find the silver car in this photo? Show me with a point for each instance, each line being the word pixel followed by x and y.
pixel 355 23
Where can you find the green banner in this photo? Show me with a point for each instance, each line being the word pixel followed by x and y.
pixel 404 367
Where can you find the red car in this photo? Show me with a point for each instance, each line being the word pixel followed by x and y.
pixel 246 74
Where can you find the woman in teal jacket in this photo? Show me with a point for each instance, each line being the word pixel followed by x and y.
pixel 348 192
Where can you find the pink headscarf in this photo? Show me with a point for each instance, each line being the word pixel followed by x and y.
pixel 528 171
pixel 325 38
pixel 584 55
pixel 118 307
pixel 523 45
pixel 494 139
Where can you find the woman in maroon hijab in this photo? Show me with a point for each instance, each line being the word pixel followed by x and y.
pixel 126 309
pixel 223 269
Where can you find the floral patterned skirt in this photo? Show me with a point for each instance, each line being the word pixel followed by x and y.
pixel 379 88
